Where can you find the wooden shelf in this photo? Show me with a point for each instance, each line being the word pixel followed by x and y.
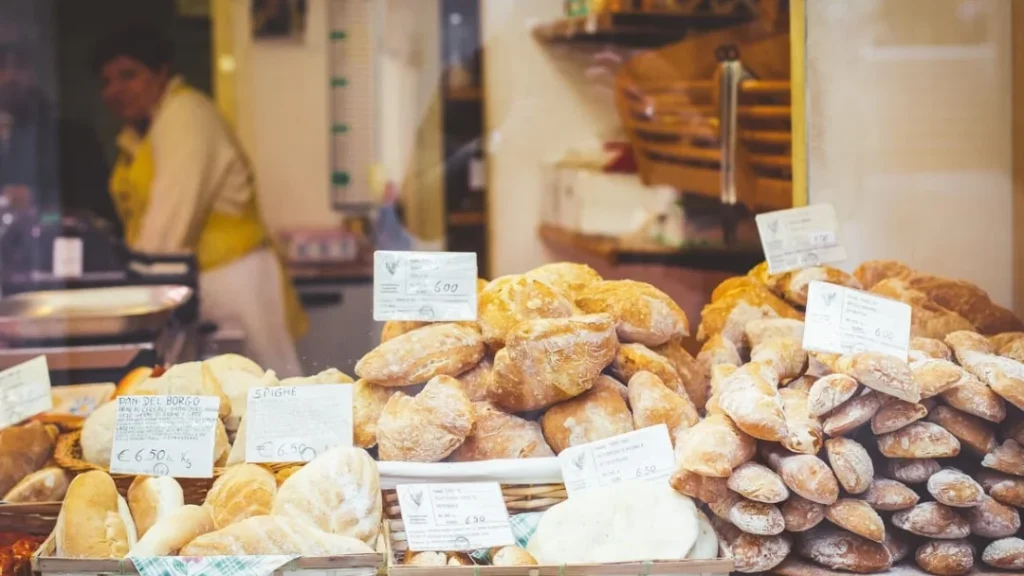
pixel 616 251
pixel 635 29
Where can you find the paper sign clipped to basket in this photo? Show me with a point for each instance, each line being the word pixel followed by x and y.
pixel 644 454
pixel 800 237
pixel 842 320
pixel 458 517
pixel 165 436
pixel 24 391
pixel 424 286
pixel 297 423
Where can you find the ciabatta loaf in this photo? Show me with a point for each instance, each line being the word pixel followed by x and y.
pixel 243 491
pixel 91 524
pixel 426 427
pixel 273 535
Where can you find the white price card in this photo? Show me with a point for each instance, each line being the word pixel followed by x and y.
pixel 67 257
pixel 424 286
pixel 462 516
pixel 842 320
pixel 800 237
pixel 644 454
pixel 24 391
pixel 297 423
pixel 165 436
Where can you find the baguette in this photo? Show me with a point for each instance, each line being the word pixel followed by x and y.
pixel 973 432
pixel 801 514
pixel 890 495
pixel 881 372
pixel 946 557
pixel 829 392
pixel 509 300
pixel 851 464
pixel 919 440
pixel 858 517
pixel 952 487
pixel 714 447
pixel 758 483
pixel 420 355
pixel 642 313
pixel 1008 457
pixel 932 520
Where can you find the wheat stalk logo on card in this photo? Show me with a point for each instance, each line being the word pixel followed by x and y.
pixel 417 498
pixel 578 460
pixel 391 264
pixel 828 298
pixel 773 226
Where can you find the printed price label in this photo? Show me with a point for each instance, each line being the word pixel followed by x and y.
pixel 165 436
pixel 424 286
pixel 24 391
pixel 67 257
pixel 800 237
pixel 645 454
pixel 464 516
pixel 297 423
pixel 842 320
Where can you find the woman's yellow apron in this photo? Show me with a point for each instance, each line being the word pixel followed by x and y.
pixel 223 238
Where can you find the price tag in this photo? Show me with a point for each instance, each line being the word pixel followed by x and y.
pixel 645 454
pixel 800 237
pixel 842 320
pixel 424 286
pixel 297 423
pixel 165 436
pixel 67 257
pixel 24 391
pixel 465 516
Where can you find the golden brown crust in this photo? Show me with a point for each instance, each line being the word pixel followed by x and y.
pixel 829 392
pixel 801 514
pixel 394 328
pixel 952 487
pixel 785 355
pixel 851 463
pixel 569 278
pixel 594 415
pixel 928 320
pixel 46 485
pixel 631 359
pixel 804 431
pixel 756 518
pixel 853 413
pixel 753 553
pixel 23 450
pixel 497 435
pixel 90 525
pixel 896 414
pixel 759 331
pixel 1008 457
pixel 689 371
pixel 735 283
pixel 992 519
pixel 974 397
pixel 872 272
pixel 368 402
pixel 890 495
pixel 653 403
pixel 969 301
pixel 417 356
pixel 932 520
pixel 930 348
pixel 881 372
pixel 919 440
pixel 758 483
pixel 934 376
pixel 642 313
pixel 476 380
pixel 1004 488
pixel 858 517
pixel 509 300
pixel 707 489
pixel 753 403
pixel 1005 553
pixel 732 311
pixel 243 491
pixel 804 474
pixel 842 550
pixel 714 447
pixel 1004 376
pixel 973 432
pixel 793 285
pixel 946 557
pixel 427 427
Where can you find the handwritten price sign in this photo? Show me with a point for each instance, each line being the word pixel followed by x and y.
pixel 842 320
pixel 424 286
pixel 297 423
pixel 165 436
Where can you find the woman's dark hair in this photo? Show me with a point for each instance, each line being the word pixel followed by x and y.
pixel 147 44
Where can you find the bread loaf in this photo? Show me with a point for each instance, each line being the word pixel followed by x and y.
pixel 46 485
pixel 509 300
pixel 972 432
pixel 890 495
pixel 1004 488
pixel 804 474
pixel 804 431
pixel 851 464
pixel 707 489
pixel 714 447
pixel 594 415
pixel 758 483
pixel 1004 376
pixel 753 403
pixel 952 487
pixel 919 440
pixel 273 535
pixel 427 427
pixel 853 413
pixel 514 556
pixel 631 359
pixel 235 375
pixel 643 314
pixel 172 532
pixel 338 493
pixel 969 301
pixel 547 361
pixel 928 319
pixel 881 372
pixel 829 392
pixel 932 520
pixel 418 356
pixel 243 491
pixel 858 517
pixel 153 498
pixel 689 370
pixel 785 355
pixel 23 450
pixel 912 471
pixel 946 557
pixel 187 378
pixel 475 381
pixel 896 414
pixel 801 514
pixel 568 278
pixel 368 401
pixel 872 272
pixel 756 518
pixel 765 329
pixel 653 403
pixel 991 519
pixel 91 524
pixel 929 348
pixel 1007 553
pixel 498 435
pixel 934 376
pixel 1013 349
pixel 752 553
pixel 394 328
pixel 1008 457
pixel 842 550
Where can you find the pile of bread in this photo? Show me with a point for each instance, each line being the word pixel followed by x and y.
pixel 814 463
pixel 332 506
pixel 27 471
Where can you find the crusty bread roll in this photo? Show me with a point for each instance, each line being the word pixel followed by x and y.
pixel 509 300
pixel 152 498
pixel 417 356
pixel 1004 488
pixel 882 372
pixel 804 432
pixel 235 375
pixel 512 556
pixel 801 514
pixel 752 553
pixel 643 314
pixel 273 535
pixel 928 319
pixel 974 397
pixel 759 331
pixel 186 379
pixel 730 314
pixel 753 403
pixel 841 550
pixel 785 355
pixel 549 360
pixel 474 381
pixel 1004 376
pixel 871 272
pixel 926 348
pixel 1008 457
pixel 569 278
pixel 338 492
pixel 23 450
pixel 946 557
pixel 498 435
pixel 897 414
pixel 793 285
pixel 172 532
pixel 853 413
pixel 327 376
pixel 714 447
pixel 707 489
pixel 954 488
pixel 97 436
pixel 919 440
pixel 653 403
pixel 631 359
pixel 992 519
pixel 594 415
pixel 851 463
pixel 242 491
pixel 932 520
pixel 427 427
pixel 435 558
pixel 755 517
pixel 911 470
pixel 804 474
pixel 395 328
pixel 829 392
pixel 890 495
pixel 858 517
pixel 1007 553
pixel 969 301
pixel 90 524
pixel 46 485
pixel 368 401
pixel 758 483
pixel 934 375
pixel 689 370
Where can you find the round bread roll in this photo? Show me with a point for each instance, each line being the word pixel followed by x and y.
pixel 990 519
pixel 594 415
pixel 497 435
pixel 954 488
pixel 910 470
pixel 919 440
pixel 841 550
pixel 890 495
pixel 932 520
pixel 509 300
pixel 1007 553
pixel 427 427
pixel 851 463
pixel 569 278
pixel 243 491
pixel 512 556
pixel 858 517
pixel 758 483
pixel 643 314
pixel 829 392
pixel 801 514
pixel 946 557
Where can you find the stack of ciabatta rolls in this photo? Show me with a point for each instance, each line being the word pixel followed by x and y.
pixel 815 463
pixel 332 506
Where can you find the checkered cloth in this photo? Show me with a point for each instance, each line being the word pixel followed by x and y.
pixel 523 526
pixel 210 566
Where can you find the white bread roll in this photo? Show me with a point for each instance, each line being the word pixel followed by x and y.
pixel 512 556
pixel 242 492
pixel 174 531
pixel 329 376
pixel 236 375
pixel 265 535
pixel 151 499
pixel 338 492
pixel 46 485
pixel 129 523
pixel 90 524
pixel 185 379
pixel 706 546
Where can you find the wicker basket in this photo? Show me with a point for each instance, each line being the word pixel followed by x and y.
pixel 68 454
pixel 518 498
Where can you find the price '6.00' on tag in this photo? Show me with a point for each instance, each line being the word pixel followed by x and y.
pixel 841 320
